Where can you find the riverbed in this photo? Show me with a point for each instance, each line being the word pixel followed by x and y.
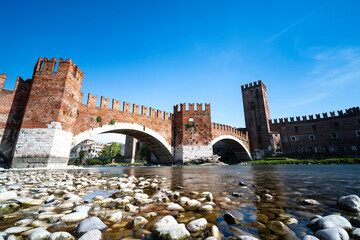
pixel 266 193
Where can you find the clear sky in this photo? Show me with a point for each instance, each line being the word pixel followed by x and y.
pixel 160 53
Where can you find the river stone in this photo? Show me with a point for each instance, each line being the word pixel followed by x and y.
pixel 230 219
pixel 210 238
pixel 280 228
pixel 115 217
pixel 92 223
pixel 50 199
pixel 329 222
pixel 91 235
pixel 23 222
pixel 356 234
pixel 166 221
pixel 355 221
pixel 333 233
pixel 349 203
pixel 183 200
pixel 61 236
pixel 310 202
pixel 7 195
pixel 247 238
pixel 174 207
pixel 206 208
pixel 39 234
pixel 175 232
pixel 74 217
pixel 309 237
pixel 197 225
pixel 17 230
pixel 138 222
pixel 82 208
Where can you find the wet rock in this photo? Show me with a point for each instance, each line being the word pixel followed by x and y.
pixel 50 199
pixel 7 195
pixel 138 222
pixel 215 233
pixel 183 200
pixel 241 183
pixel 23 222
pixel 356 234
pixel 330 221
pixel 74 217
pixel 197 225
pixel 92 223
pixel 247 238
pixel 176 232
pixel 333 233
pixel 268 197
pixel 82 208
pixel 236 194
pixel 310 202
pixel 39 234
pixel 92 235
pixel 206 208
pixel 309 237
pixel 61 236
pixel 209 197
pixel 17 230
pixel 355 221
pixel 210 238
pixel 166 221
pixel 280 228
pixel 115 217
pixel 349 203
pixel 174 207
pixel 229 218
pixel 131 208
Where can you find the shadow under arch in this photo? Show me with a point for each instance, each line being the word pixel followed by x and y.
pixel 238 147
pixel 158 145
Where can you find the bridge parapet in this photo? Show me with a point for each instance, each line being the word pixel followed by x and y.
pixel 222 129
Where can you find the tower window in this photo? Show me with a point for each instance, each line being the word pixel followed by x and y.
pixel 354 148
pixel 312 137
pixel 293 138
pixel 334 135
pixel 191 119
pixel 296 129
pixel 314 128
pixel 357 132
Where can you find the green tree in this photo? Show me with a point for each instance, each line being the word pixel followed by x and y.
pixel 104 152
pixel 83 156
pixel 115 149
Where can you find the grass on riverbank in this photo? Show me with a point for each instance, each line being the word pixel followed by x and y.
pixel 284 160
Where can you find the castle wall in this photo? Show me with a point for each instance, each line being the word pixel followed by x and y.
pixel 315 134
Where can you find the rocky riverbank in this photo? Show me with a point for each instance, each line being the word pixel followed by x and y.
pixel 61 204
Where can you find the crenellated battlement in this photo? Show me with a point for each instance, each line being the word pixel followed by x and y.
pixel 355 111
pixel 190 107
pixel 126 107
pixel 19 80
pixel 253 85
pixel 228 129
pixel 45 65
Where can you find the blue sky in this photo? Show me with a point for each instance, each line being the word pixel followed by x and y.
pixel 160 53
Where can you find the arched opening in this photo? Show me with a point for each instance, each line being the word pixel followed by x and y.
pixel 230 149
pixel 157 144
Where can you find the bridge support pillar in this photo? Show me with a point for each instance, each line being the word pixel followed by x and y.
pixel 187 153
pixel 130 148
pixel 42 147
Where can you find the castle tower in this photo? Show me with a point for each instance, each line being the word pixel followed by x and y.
pixel 192 132
pixel 257 116
pixel 46 131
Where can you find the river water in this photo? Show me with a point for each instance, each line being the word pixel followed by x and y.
pixel 288 184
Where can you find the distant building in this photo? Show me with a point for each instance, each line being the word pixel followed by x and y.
pixel 92 148
pixel 333 133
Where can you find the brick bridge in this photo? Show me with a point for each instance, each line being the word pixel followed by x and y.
pixel 44 117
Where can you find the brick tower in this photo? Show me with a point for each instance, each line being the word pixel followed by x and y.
pixel 45 136
pixel 192 132
pixel 257 116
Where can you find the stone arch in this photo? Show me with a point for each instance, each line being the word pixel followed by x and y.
pixel 239 148
pixel 159 146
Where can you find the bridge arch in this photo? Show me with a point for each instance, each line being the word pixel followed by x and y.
pixel 240 150
pixel 158 145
